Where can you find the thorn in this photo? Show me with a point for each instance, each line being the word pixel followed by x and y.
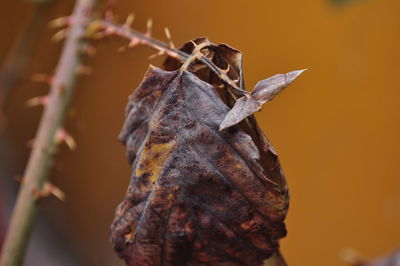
pixel 122 49
pixel 221 86
pixel 133 42
pixel 196 53
pixel 149 26
pixel 42 77
pixel 52 189
pixel 60 22
pixel 160 53
pixel 194 44
pixel 197 67
pixel 129 20
pixel 36 101
pixel 84 70
pixel 225 71
pixel 60 35
pixel 168 34
pixel 63 136
pixel 48 189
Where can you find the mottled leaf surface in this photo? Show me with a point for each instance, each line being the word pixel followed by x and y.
pixel 197 195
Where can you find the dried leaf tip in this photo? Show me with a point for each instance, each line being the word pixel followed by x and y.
pixel 264 91
pixel 291 76
pixel 294 74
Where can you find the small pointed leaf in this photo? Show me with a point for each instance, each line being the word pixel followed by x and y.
pixel 264 91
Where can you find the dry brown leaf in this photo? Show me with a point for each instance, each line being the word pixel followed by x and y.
pixel 264 91
pixel 197 196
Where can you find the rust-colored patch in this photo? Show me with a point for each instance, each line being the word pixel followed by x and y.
pixel 152 159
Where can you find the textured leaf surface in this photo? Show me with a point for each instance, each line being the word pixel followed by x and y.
pixel 264 91
pixel 197 196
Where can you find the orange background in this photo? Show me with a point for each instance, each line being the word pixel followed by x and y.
pixel 336 129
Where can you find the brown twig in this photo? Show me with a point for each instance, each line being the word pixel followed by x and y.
pixel 41 158
pixel 135 37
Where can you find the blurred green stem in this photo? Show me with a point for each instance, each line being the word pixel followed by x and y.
pixel 41 158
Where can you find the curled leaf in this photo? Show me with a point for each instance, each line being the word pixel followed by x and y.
pixel 264 91
pixel 197 196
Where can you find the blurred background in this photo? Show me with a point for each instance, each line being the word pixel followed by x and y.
pixel 336 129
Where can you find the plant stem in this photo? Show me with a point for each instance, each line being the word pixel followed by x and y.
pixel 164 48
pixel 41 158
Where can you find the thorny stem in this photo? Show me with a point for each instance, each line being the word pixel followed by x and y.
pixel 196 54
pixel 41 158
pixel 163 48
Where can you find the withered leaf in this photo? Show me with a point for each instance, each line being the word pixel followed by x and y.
pixel 197 196
pixel 264 91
